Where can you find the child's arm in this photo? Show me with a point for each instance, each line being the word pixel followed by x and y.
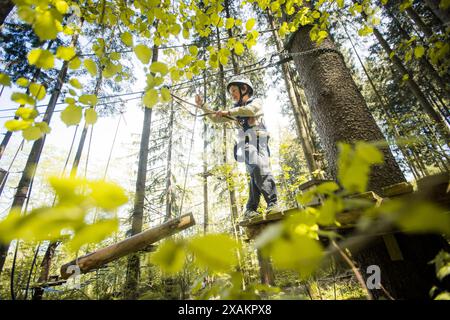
pixel 212 116
pixel 254 109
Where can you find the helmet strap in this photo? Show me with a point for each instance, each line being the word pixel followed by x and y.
pixel 241 95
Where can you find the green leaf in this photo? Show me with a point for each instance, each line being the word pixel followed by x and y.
pixel 365 31
pixel 419 51
pixel 216 252
pixel 443 296
pixel 40 224
pixel 193 50
pixel 27 113
pixel 327 187
pixel 41 58
pixel 250 24
pixel 150 98
pixel 71 115
pixel 46 26
pixel 424 217
pixel 444 4
pixel 75 83
pixel 43 126
pixel 31 133
pixel 22 98
pixel 16 125
pixel 90 116
pixel 5 80
pixel 37 90
pixel 299 253
pixel 88 99
pixel 354 165
pixel 115 56
pixel 90 66
pixel 165 95
pixel 93 233
pixel 127 39
pixel 328 211
pixel 75 63
pixel 230 23
pixel 26 13
pixel 65 53
pixel 106 195
pixel 170 256
pixel 143 53
pixel 239 48
pixel 22 82
pixel 61 6
pixel 159 67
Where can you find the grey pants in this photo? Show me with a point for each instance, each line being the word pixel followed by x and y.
pixel 261 178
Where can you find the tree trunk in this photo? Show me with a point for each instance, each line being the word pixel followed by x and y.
pixel 307 145
pixel 414 16
pixel 230 35
pixel 441 14
pixel 337 107
pixel 412 85
pixel 442 82
pixel 265 269
pixel 5 8
pixel 77 159
pixel 35 153
pixel 132 277
pixel 169 187
pixel 205 178
pixel 388 115
pixel 45 269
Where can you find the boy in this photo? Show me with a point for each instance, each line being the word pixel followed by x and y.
pixel 248 113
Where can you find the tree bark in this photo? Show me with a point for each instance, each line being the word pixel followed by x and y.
pixel 266 273
pixel 5 8
pixel 442 82
pixel 132 277
pixel 76 160
pixel 337 107
pixel 389 116
pixel 414 16
pixel 169 187
pixel 205 178
pixel 412 85
pixel 307 145
pixel 442 15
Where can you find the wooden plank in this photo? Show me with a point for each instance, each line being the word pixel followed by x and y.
pixel 397 189
pixel 132 244
pixel 392 247
pixel 48 284
pixel 265 218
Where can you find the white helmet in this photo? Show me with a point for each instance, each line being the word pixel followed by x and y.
pixel 240 80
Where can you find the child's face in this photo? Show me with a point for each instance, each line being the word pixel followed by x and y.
pixel 234 92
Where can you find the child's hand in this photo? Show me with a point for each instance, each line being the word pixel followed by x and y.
pixel 222 113
pixel 198 100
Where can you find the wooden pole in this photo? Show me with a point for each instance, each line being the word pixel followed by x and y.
pixel 132 244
